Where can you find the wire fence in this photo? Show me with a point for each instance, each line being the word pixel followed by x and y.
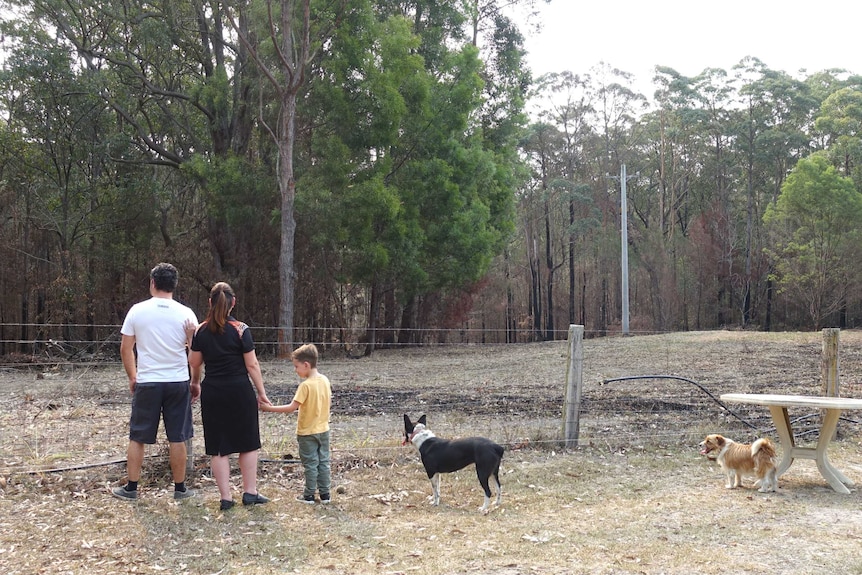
pixel 41 344
pixel 639 393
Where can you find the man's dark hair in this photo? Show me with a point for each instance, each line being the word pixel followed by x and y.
pixel 165 277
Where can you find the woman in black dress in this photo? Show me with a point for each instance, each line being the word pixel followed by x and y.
pixel 229 404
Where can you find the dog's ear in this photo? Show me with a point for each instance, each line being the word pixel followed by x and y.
pixel 720 440
pixel 422 420
pixel 408 426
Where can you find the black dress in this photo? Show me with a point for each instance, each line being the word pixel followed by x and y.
pixel 228 402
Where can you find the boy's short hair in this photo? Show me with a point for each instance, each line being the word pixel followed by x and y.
pixel 305 353
pixel 165 277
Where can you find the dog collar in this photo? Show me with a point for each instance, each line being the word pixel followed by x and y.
pixel 409 438
pixel 413 434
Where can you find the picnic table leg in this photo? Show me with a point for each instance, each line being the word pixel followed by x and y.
pixel 837 480
pixel 785 435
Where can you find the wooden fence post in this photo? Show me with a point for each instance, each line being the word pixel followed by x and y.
pixel 574 385
pixel 829 384
pixel 829 363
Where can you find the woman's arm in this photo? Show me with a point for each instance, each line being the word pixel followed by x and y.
pixel 196 361
pixel 253 368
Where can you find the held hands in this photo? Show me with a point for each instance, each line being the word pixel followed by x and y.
pixel 285 408
pixel 263 402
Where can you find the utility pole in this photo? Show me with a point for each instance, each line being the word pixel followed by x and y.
pixel 624 240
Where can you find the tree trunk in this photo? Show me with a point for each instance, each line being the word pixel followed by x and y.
pixel 549 280
pixel 511 324
pixel 535 292
pixel 287 187
pixel 390 316
pixel 373 312
pixel 407 333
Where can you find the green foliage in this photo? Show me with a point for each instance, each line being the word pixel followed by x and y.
pixel 840 119
pixel 147 128
pixel 411 197
pixel 236 192
pixel 816 224
pixel 816 203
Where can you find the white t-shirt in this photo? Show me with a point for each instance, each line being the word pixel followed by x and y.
pixel 160 337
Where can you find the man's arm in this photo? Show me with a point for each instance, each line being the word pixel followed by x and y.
pixel 127 353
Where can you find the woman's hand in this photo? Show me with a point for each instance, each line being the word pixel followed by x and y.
pixel 190 327
pixel 263 402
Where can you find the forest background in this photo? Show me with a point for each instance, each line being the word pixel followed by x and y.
pixel 364 173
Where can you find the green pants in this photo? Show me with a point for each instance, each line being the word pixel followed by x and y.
pixel 314 454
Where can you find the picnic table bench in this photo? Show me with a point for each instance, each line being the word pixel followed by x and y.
pixel 778 405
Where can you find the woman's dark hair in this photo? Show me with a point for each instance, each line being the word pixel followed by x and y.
pixel 221 302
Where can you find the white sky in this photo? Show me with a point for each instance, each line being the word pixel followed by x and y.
pixel 688 36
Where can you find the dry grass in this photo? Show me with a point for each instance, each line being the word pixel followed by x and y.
pixel 636 499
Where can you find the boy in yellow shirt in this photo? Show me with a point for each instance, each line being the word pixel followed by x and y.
pixel 313 399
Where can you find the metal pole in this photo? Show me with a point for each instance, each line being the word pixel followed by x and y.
pixel 624 233
pixel 624 241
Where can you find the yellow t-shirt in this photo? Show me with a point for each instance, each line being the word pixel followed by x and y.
pixel 314 396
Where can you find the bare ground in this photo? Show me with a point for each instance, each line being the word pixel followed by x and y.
pixel 635 497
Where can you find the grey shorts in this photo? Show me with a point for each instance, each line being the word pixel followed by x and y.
pixel 170 401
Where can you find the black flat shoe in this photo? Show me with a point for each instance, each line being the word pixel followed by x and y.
pixel 254 499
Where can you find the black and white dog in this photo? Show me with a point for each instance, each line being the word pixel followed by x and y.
pixel 444 456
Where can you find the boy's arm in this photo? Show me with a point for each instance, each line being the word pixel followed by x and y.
pixel 289 408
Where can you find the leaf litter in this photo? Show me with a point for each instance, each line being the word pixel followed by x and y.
pixel 636 499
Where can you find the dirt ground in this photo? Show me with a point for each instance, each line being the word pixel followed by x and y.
pixel 634 497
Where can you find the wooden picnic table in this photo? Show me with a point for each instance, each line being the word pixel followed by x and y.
pixel 778 405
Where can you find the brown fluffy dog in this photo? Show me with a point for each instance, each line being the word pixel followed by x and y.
pixel 738 459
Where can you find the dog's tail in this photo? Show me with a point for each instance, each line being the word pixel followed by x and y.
pixel 764 447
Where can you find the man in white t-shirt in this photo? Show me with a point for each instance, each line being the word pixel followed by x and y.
pixel 161 329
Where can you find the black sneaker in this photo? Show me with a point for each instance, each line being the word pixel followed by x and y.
pixel 225 504
pixel 184 494
pixel 325 498
pixel 254 499
pixel 121 493
pixel 307 499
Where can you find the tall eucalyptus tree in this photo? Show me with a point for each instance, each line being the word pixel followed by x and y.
pixel 76 209
pixel 567 105
pixel 177 85
pixel 772 137
pixel 840 119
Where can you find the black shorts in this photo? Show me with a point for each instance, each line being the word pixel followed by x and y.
pixel 170 401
